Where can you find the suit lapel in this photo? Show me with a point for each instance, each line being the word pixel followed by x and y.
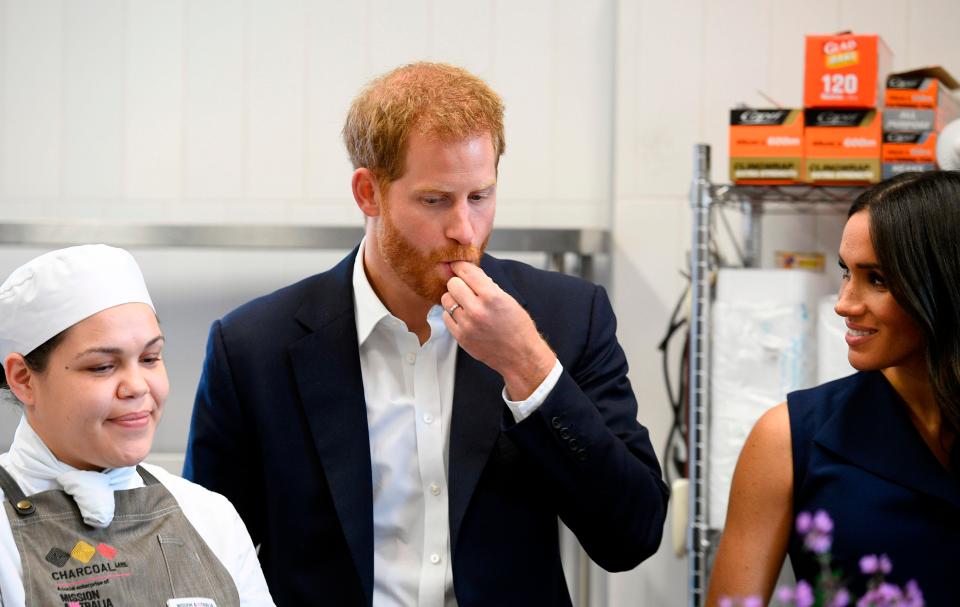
pixel 326 366
pixel 478 409
pixel 873 431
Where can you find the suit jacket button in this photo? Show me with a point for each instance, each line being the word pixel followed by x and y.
pixel 564 433
pixel 573 444
pixel 555 422
pixel 582 455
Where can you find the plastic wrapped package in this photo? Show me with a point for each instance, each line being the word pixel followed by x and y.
pixel 763 346
pixel 832 360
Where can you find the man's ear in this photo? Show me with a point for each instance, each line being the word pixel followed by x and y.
pixel 20 378
pixel 366 192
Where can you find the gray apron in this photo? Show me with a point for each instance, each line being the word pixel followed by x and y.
pixel 148 555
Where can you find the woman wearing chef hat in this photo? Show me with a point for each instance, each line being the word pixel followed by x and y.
pixel 83 521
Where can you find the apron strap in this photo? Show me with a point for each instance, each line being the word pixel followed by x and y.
pixel 21 505
pixel 148 479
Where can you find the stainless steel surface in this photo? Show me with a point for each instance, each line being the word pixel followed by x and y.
pixel 581 242
pixel 698 541
pixel 752 233
pixel 797 196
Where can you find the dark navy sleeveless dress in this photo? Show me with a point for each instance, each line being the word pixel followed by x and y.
pixel 857 455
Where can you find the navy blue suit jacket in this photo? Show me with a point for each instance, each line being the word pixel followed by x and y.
pixel 280 427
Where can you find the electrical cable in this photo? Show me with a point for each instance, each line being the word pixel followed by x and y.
pixel 674 455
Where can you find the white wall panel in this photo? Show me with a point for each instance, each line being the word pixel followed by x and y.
pixel 214 102
pixel 337 51
pixel 584 37
pixel 275 99
pixel 93 102
pixel 932 35
pixel 398 33
pixel 30 110
pixel 154 95
pixel 659 88
pixel 462 34
pixel 524 76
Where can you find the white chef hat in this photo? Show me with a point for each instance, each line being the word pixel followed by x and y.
pixel 57 290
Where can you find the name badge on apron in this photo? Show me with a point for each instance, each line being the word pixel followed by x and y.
pixel 193 601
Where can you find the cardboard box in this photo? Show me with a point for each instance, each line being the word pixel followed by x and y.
pixel 766 146
pixel 912 120
pixel 927 87
pixel 842 146
pixel 892 169
pixel 845 70
pixel 909 147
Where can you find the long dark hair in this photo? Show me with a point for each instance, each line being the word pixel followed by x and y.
pixel 915 231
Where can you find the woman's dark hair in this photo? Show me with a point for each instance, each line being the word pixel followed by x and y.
pixel 38 358
pixel 915 231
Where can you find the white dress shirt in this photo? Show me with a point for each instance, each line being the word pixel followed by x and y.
pixel 408 388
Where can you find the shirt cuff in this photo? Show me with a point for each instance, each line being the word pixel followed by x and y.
pixel 523 408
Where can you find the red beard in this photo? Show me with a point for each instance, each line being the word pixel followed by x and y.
pixel 421 271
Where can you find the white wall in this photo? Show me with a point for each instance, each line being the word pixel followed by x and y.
pixel 221 110
pixel 218 110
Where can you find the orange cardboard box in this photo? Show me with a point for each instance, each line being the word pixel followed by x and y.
pixel 912 147
pixel 842 146
pixel 927 87
pixel 766 146
pixel 845 70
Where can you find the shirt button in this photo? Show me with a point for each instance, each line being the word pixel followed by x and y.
pixel 434 488
pixel 427 418
pixel 435 559
pixel 411 357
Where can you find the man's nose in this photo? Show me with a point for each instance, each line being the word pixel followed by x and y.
pixel 459 225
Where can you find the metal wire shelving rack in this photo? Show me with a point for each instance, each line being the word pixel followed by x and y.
pixel 753 202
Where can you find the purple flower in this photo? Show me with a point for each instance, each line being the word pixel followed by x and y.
pixel 889 592
pixel 804 523
pixel 785 594
pixel 725 601
pixel 869 564
pixel 804 594
pixel 841 599
pixel 885 565
pixel 914 595
pixel 822 522
pixel 818 543
pixel 869 599
pixel 753 601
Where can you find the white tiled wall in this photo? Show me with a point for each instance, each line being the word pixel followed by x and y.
pixel 178 110
pixel 218 110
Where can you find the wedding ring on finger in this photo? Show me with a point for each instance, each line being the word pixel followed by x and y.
pixel 453 309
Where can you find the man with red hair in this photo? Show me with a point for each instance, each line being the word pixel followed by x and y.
pixel 408 427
